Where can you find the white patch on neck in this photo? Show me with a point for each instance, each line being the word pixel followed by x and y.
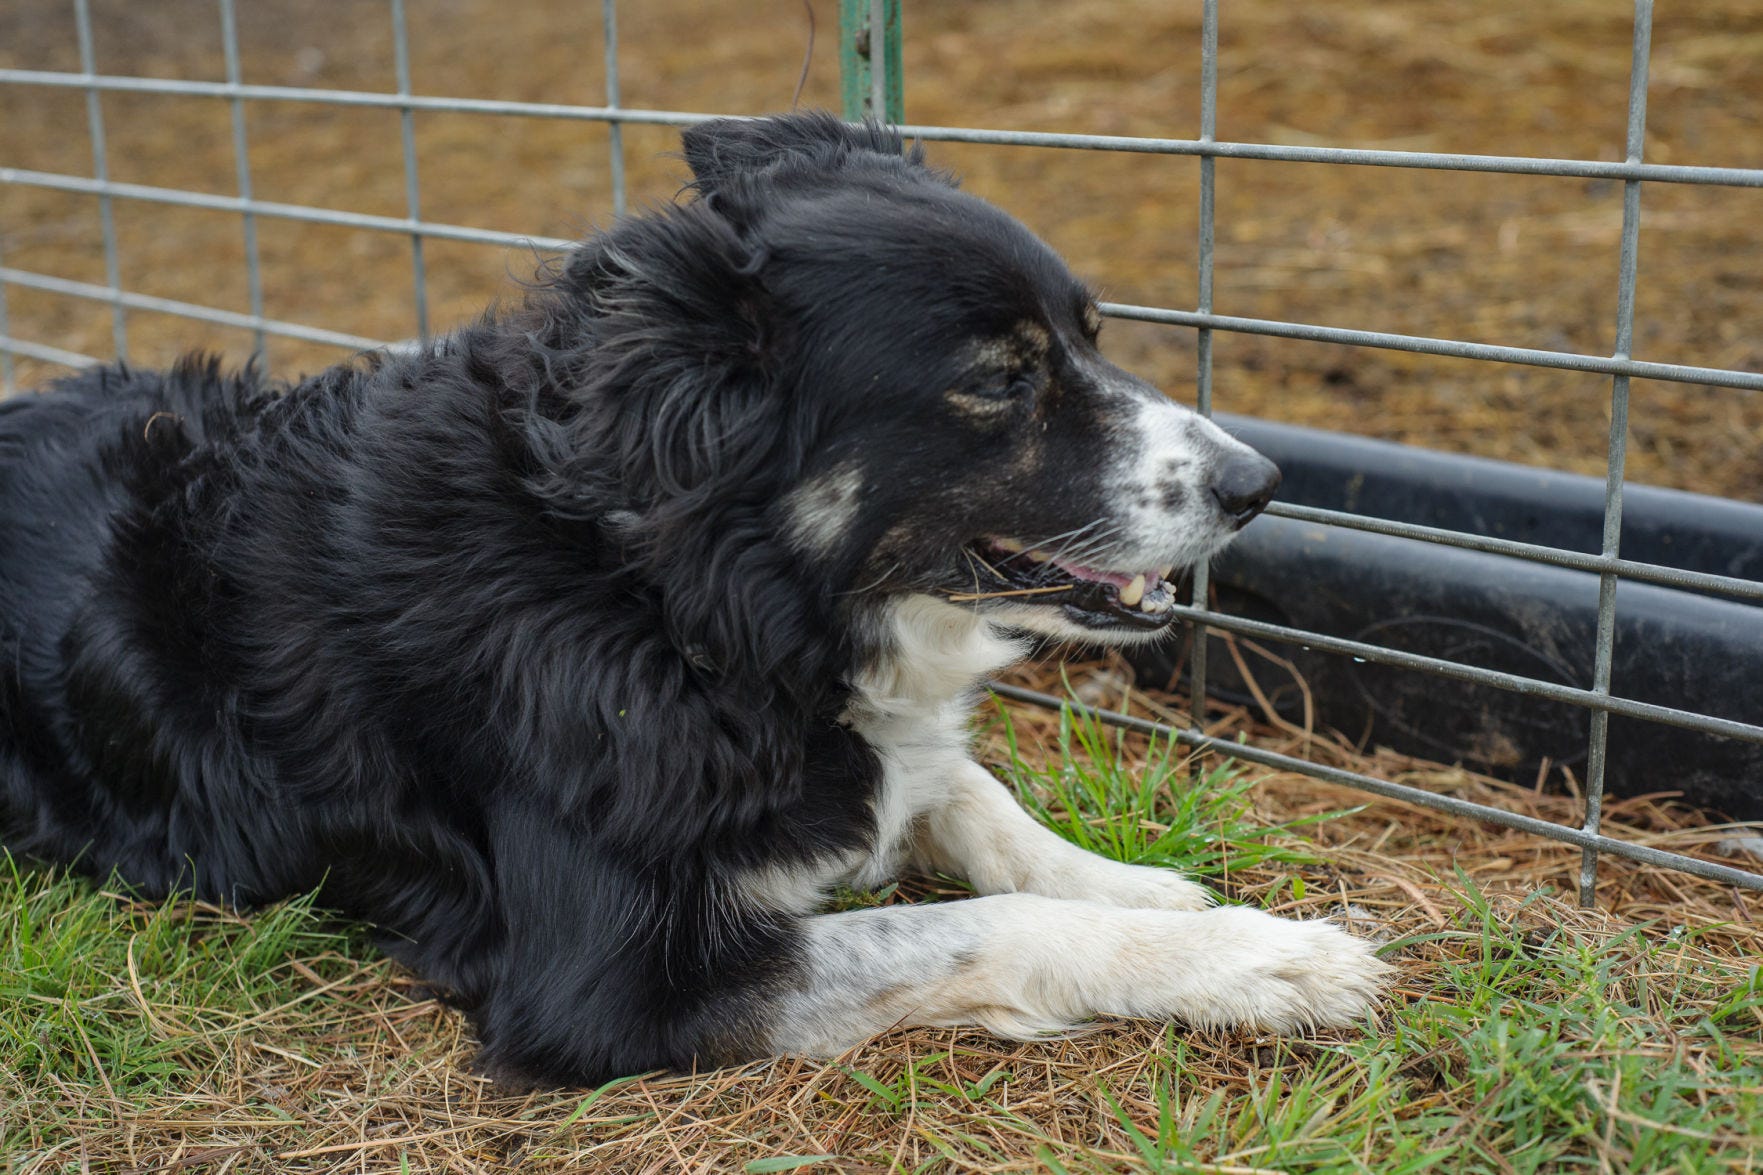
pixel 821 509
pixel 933 654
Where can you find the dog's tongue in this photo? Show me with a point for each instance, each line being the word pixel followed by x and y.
pixel 1092 575
pixel 1149 591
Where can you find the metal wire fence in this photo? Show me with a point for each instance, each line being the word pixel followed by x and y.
pixel 880 73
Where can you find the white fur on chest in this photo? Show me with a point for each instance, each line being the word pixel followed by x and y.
pixel 911 706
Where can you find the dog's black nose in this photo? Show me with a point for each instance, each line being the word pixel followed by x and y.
pixel 1244 485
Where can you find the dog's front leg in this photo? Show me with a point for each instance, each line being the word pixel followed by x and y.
pixel 1022 965
pixel 979 832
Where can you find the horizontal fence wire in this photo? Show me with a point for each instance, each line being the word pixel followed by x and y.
pixel 1589 699
pixel 1736 177
pixel 1676 577
pixel 1230 749
pixel 1621 366
pixel 46 353
pixel 1453 348
pixel 185 198
pixel 1606 365
pixel 252 322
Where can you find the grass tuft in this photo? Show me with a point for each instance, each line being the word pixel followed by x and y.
pixel 1146 806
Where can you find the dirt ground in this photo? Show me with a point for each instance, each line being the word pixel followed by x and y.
pixel 1528 261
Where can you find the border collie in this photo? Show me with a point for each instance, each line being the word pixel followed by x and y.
pixel 585 652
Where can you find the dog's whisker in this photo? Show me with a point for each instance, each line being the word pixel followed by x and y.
pixel 1083 552
pixel 1085 549
pixel 1080 544
pixel 1065 538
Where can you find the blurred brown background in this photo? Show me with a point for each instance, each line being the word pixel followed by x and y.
pixel 1524 261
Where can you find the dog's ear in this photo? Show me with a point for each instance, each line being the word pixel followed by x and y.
pixel 663 335
pixel 678 430
pixel 726 150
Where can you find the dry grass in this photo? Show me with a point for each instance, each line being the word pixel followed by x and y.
pixel 1506 259
pixel 304 1052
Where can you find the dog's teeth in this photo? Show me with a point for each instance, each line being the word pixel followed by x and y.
pixel 1040 556
pixel 1011 545
pixel 1158 602
pixel 1133 592
pixel 1163 572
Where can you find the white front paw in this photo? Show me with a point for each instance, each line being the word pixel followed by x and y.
pixel 1280 975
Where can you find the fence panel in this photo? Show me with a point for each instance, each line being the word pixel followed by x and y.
pixel 870 50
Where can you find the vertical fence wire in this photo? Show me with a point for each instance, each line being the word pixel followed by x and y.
pixel 7 379
pixel 615 128
pixel 1203 336
pixel 412 191
pixel 229 32
pixel 1628 267
pixel 101 172
pixel 878 59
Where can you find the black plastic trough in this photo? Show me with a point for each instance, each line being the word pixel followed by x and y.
pixel 1679 648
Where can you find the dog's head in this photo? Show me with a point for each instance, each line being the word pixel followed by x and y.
pixel 909 383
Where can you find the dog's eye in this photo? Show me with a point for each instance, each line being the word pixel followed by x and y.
pixel 1006 385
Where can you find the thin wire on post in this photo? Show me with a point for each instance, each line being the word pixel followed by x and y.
pixel 1203 373
pixel 229 31
pixel 101 172
pixel 1628 269
pixel 412 192
pixel 609 23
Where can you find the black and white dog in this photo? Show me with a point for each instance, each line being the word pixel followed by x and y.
pixel 585 652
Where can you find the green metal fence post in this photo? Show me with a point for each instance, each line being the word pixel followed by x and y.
pixel 859 52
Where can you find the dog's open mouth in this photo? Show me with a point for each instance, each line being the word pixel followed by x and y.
pixel 1008 569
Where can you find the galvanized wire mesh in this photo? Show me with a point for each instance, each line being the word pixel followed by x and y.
pixel 1598 699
